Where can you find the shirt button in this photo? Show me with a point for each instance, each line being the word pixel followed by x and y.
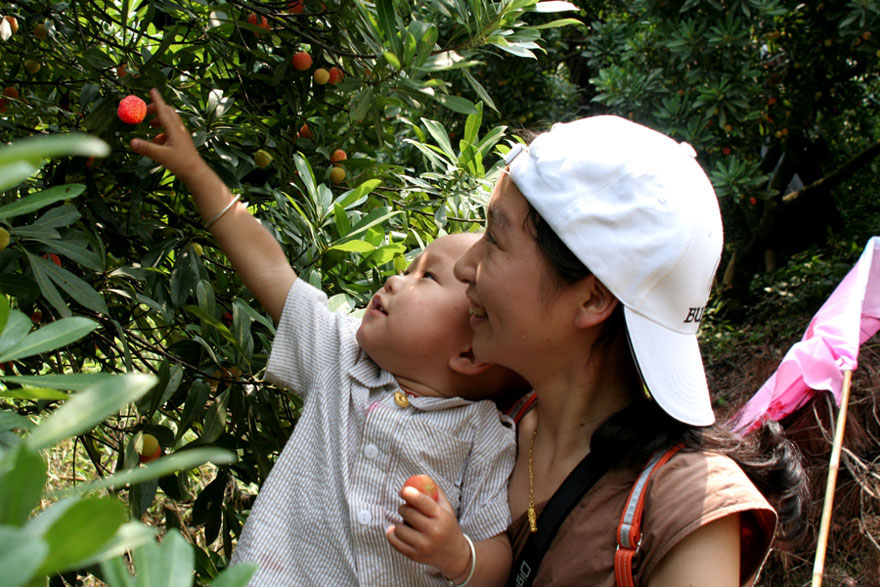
pixel 371 452
pixel 364 517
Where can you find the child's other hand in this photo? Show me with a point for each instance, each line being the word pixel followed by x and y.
pixel 430 533
pixel 174 148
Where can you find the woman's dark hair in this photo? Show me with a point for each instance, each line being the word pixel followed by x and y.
pixel 634 434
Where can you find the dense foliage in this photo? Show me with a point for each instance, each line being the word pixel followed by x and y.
pixel 778 97
pixel 104 238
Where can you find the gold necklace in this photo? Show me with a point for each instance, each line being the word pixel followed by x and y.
pixel 533 519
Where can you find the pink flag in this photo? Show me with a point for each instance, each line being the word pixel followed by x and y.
pixel 830 346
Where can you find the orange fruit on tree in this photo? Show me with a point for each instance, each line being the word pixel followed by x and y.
pixel 337 174
pixel 335 75
pixel 305 132
pixel 337 156
pixel 301 60
pixel 321 76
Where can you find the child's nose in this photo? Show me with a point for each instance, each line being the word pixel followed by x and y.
pixel 393 283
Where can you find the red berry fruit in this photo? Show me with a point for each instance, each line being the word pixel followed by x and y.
pixel 424 484
pixel 132 110
pixel 301 61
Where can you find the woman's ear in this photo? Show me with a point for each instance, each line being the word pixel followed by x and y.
pixel 465 363
pixel 597 302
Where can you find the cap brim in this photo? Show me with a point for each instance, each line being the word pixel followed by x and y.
pixel 672 368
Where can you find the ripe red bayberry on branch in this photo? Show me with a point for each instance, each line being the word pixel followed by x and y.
pixel 132 110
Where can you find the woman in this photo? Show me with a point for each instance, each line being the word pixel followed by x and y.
pixel 602 242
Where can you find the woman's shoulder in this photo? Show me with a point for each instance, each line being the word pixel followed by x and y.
pixel 696 488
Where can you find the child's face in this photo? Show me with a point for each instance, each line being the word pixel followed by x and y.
pixel 420 319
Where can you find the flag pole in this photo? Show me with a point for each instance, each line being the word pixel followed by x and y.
pixel 833 466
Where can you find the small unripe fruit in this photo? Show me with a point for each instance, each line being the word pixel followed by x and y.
pixel 37 316
pixel 337 156
pixel 295 7
pixel 301 60
pixel 4 239
pixel 132 110
pixel 828 42
pixel 40 31
pixel 197 249
pixel 262 158
pixel 866 35
pixel 725 150
pixel 121 70
pixel 424 484
pixel 10 92
pixel 321 76
pixel 305 132
pixel 32 66
pixel 335 75
pixel 13 23
pixel 149 449
pixel 337 174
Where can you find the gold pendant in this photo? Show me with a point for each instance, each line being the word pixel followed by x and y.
pixel 533 520
pixel 400 399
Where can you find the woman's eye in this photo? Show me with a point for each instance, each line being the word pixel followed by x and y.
pixel 429 275
pixel 489 238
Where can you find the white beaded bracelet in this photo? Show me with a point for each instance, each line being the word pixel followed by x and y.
pixel 220 214
pixel 473 564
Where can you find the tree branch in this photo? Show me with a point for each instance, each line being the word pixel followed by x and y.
pixel 837 177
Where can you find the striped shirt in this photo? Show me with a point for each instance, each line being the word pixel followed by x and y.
pixel 320 517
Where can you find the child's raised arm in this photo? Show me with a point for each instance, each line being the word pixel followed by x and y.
pixel 253 251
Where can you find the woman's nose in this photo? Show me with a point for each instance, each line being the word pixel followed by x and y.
pixel 464 267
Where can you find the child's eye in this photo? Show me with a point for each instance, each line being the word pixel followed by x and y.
pixel 429 275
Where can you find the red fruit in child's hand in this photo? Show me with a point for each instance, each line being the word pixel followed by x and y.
pixel 424 484
pixel 132 110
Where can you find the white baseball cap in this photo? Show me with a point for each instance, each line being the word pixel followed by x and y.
pixel 638 210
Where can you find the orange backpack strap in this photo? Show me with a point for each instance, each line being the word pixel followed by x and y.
pixel 522 406
pixel 629 531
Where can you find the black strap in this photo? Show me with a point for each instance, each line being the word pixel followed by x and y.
pixel 575 486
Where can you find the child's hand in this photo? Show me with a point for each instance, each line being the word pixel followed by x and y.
pixel 430 533
pixel 175 150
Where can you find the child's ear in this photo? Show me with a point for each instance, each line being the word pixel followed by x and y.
pixel 597 303
pixel 465 363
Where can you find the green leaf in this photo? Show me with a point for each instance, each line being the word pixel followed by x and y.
pixel 354 196
pixel 354 246
pixel 455 103
pixel 177 561
pixel 70 381
pixel 20 556
pixel 237 575
pixel 11 421
pixel 438 131
pixel 87 408
pixel 182 460
pixel 50 337
pixel 22 477
pixel 129 536
pixel 12 174
pixel 35 149
pixel 42 199
pixel 388 21
pixel 4 311
pixel 75 287
pixel 34 393
pixel 77 532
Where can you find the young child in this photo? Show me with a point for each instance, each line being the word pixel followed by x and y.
pixel 394 396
